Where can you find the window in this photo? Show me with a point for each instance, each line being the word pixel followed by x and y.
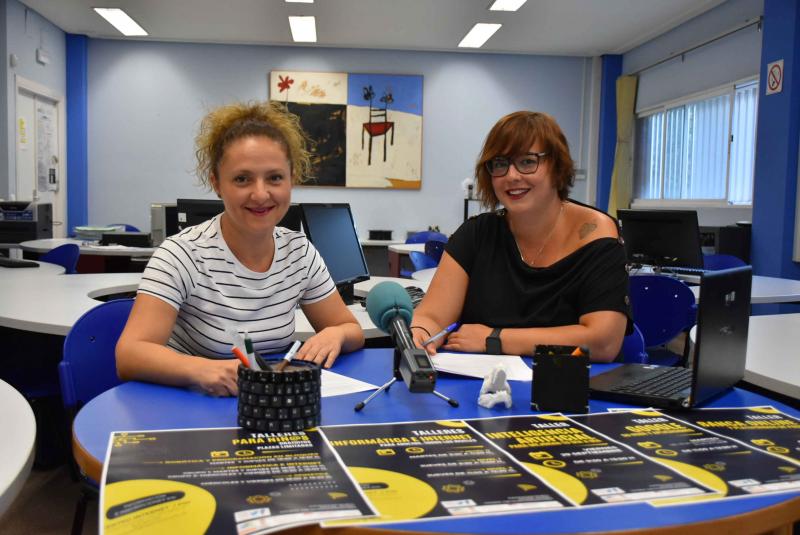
pixel 700 149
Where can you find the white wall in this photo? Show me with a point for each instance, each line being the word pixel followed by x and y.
pixel 25 31
pixel 146 100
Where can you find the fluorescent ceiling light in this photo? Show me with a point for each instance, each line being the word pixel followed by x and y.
pixel 304 29
pixel 299 1
pixel 121 21
pixel 506 5
pixel 478 35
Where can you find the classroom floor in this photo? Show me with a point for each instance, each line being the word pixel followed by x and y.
pixel 46 505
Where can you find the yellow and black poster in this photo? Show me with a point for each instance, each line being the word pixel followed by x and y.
pixel 763 428
pixel 222 481
pixel 720 463
pixel 584 465
pixel 436 469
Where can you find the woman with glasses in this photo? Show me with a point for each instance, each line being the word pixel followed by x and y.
pixel 544 269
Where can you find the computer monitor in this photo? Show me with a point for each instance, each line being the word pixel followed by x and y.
pixel 195 211
pixel 662 237
pixel 331 229
pixel 163 221
pixel 293 220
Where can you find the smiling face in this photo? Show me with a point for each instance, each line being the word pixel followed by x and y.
pixel 519 192
pixel 254 181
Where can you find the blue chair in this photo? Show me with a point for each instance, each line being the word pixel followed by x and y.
pixel 64 255
pixel 716 262
pixel 633 349
pixel 663 307
pixel 426 236
pixel 435 249
pixel 422 260
pixel 88 369
pixel 128 228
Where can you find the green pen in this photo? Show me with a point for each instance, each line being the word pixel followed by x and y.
pixel 251 355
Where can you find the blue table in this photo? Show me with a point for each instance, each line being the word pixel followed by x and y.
pixel 136 406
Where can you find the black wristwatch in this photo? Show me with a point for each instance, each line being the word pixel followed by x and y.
pixel 493 344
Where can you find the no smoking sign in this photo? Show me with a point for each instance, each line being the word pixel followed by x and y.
pixel 775 77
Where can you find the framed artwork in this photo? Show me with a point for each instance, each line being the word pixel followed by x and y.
pixel 366 128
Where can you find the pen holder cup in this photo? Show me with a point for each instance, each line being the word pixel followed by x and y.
pixel 560 383
pixel 280 401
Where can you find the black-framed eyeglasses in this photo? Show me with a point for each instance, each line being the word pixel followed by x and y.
pixel 525 164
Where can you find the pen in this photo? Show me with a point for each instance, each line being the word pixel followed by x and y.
pixel 241 356
pixel 444 332
pixel 288 358
pixel 251 355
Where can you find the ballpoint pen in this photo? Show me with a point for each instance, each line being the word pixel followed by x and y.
pixel 251 355
pixel 444 332
pixel 241 356
pixel 288 358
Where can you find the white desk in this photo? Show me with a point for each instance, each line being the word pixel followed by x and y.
pixel 87 248
pixel 424 276
pixel 50 303
pixel 769 290
pixel 16 447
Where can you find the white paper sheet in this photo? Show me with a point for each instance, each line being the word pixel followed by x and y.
pixel 334 384
pixel 478 365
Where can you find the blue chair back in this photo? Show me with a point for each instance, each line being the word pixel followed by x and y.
pixel 426 236
pixel 435 249
pixel 716 262
pixel 663 307
pixel 128 228
pixel 64 255
pixel 89 365
pixel 633 347
pixel 422 260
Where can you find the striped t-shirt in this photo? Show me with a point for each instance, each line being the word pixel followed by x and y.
pixel 196 272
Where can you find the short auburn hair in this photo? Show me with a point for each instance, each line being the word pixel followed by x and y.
pixel 514 135
pixel 226 124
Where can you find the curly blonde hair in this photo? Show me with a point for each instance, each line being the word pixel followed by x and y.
pixel 226 124
pixel 514 134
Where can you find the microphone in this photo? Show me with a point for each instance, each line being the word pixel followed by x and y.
pixel 390 309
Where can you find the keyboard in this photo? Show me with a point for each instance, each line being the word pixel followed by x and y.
pixel 416 294
pixel 16 263
pixel 677 270
pixel 663 382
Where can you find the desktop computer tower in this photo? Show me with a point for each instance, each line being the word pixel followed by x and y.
pixel 23 221
pixel 163 221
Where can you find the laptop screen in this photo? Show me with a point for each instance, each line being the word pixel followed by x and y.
pixel 722 322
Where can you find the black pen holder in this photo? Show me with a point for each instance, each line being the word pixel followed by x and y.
pixel 280 401
pixel 560 380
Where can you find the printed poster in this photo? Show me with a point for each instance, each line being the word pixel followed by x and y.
pixel 435 469
pixel 587 467
pixel 722 464
pixel 222 481
pixel 763 428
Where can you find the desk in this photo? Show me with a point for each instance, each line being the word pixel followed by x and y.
pixel 141 406
pixel 16 447
pixel 42 301
pixel 395 251
pixel 94 258
pixel 767 290
pixel 424 276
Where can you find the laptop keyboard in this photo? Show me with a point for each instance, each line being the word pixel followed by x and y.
pixel 664 382
pixel 16 263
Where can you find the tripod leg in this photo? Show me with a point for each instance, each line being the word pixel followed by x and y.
pixel 360 405
pixel 451 401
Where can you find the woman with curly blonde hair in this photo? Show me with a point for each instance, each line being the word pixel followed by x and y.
pixel 239 269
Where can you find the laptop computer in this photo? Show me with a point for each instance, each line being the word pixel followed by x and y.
pixel 719 356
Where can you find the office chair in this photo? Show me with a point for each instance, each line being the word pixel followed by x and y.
pixel 128 228
pixel 426 236
pixel 435 249
pixel 633 349
pixel 422 260
pixel 88 369
pixel 64 255
pixel 716 262
pixel 663 308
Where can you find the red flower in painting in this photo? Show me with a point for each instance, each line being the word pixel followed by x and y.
pixel 284 83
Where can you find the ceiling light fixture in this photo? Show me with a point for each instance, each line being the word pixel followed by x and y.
pixel 506 5
pixel 121 21
pixel 304 29
pixel 299 1
pixel 478 35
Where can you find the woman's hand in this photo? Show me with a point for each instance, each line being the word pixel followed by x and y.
pixel 323 347
pixel 469 338
pixel 420 335
pixel 216 377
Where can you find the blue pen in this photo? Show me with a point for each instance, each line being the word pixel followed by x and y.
pixel 444 332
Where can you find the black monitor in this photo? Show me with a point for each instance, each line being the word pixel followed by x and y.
pixel 331 229
pixel 293 218
pixel 662 237
pixel 195 211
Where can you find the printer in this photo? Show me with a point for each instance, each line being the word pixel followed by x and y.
pixel 25 220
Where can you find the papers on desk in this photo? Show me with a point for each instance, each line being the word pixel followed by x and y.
pixel 334 384
pixel 478 365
